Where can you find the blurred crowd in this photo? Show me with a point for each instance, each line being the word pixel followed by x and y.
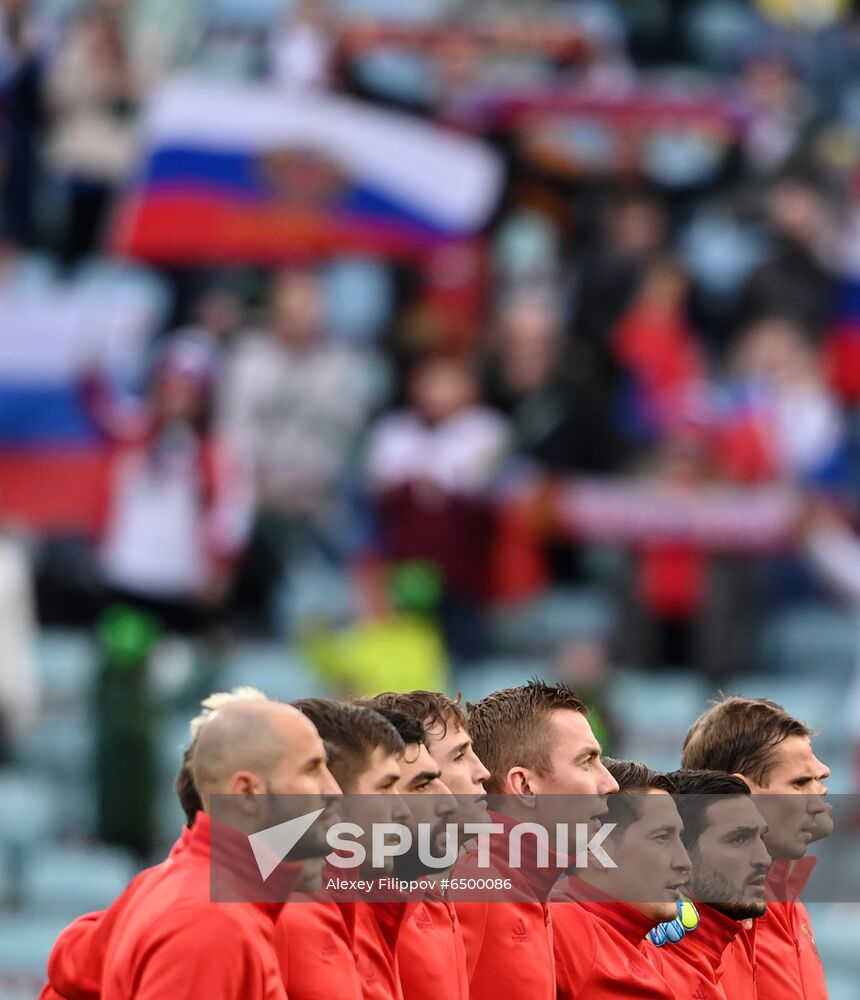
pixel 657 321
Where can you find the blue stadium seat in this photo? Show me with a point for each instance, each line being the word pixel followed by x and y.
pixel 836 938
pixel 559 615
pixel 25 944
pixel 277 671
pixel 60 744
pixel 67 663
pixel 29 815
pixel 654 711
pixel 480 679
pixel 811 639
pixel 65 882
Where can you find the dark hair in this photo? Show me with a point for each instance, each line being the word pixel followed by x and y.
pixel 740 736
pixel 697 790
pixel 350 733
pixel 185 788
pixel 633 777
pixel 409 729
pixel 510 728
pixel 432 709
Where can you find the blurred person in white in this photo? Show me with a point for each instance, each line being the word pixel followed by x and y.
pixel 179 505
pixel 801 425
pixel 19 694
pixel 91 95
pixel 302 47
pixel 430 466
pixel 294 403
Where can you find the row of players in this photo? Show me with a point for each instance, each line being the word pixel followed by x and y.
pixel 164 938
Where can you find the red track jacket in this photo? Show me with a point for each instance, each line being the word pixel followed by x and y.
pixel 315 949
pixel 597 954
pixel 694 966
pixel 431 952
pixel 788 966
pixel 172 942
pixel 509 944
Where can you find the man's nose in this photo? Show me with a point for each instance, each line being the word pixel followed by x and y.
pixel 761 858
pixel 681 859
pixel 400 811
pixel 608 785
pixel 331 789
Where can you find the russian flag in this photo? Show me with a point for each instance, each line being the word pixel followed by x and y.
pixel 52 460
pixel 249 173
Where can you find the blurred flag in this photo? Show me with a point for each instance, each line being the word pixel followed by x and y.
pixel 247 173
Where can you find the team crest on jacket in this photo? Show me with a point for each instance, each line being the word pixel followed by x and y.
pixel 807 930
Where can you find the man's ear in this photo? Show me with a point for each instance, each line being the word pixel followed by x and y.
pixel 245 783
pixel 518 782
pixel 751 785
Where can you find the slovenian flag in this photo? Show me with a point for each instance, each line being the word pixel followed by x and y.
pixel 251 173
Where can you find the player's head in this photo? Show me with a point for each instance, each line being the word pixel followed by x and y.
pixel 771 750
pixel 364 749
pixel 652 865
pixel 536 738
pixel 447 734
pixel 260 763
pixel 724 836
pixel 427 799
pixel 186 791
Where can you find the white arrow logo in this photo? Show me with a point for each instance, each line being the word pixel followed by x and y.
pixel 272 845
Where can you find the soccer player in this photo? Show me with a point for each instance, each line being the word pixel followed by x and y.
pixel 723 833
pixel 315 939
pixel 602 914
pixel 77 958
pixel 771 750
pixel 536 742
pixel 431 951
pixel 172 941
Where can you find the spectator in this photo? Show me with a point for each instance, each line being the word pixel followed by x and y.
pixel 558 419
pixel 794 283
pixel 92 94
pixel 22 50
pixel 302 48
pixel 789 423
pixel 294 403
pixel 634 229
pixel 178 507
pixel 430 467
